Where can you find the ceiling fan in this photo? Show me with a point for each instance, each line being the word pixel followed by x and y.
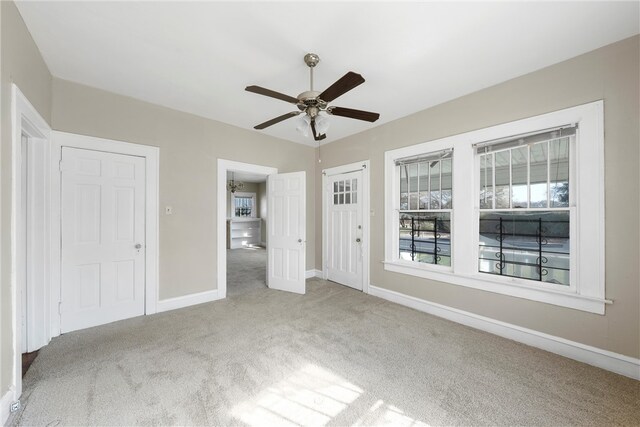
pixel 312 102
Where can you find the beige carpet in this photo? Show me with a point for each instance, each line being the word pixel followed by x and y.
pixel 334 356
pixel 246 270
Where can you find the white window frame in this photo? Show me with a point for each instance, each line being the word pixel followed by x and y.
pixel 243 194
pixel 587 212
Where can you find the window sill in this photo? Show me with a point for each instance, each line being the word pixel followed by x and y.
pixel 514 289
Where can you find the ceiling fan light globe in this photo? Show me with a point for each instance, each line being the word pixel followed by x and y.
pixel 322 124
pixel 302 125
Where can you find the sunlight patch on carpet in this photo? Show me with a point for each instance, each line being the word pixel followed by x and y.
pixel 310 396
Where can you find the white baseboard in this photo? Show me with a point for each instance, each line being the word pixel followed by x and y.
pixel 608 360
pixel 187 300
pixel 312 273
pixel 5 406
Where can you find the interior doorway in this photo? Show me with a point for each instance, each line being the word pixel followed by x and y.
pixel 285 226
pixel 246 232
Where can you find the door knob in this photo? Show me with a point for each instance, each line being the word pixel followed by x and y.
pixel 299 240
pixel 358 240
pixel 138 246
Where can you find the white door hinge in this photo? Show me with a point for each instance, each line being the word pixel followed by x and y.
pixel 60 307
pixel 61 166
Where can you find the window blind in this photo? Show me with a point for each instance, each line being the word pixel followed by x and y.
pixel 525 139
pixel 435 156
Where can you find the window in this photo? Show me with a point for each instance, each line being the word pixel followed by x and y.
pixel 425 208
pixel 345 192
pixel 243 205
pixel 524 219
pixel 523 214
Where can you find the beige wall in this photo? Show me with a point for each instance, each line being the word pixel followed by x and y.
pixel 610 73
pixel 189 149
pixel 23 65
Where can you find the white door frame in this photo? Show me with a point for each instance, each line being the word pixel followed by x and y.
pixel 366 216
pixel 25 119
pixel 223 167
pixel 151 155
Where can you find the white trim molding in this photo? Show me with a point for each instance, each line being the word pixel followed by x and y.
pixel 586 291
pixel 309 274
pixel 223 167
pixel 365 167
pixel 610 361
pixel 187 300
pixel 151 155
pixel 5 406
pixel 25 120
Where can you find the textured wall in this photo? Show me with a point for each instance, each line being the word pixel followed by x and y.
pixel 23 65
pixel 610 73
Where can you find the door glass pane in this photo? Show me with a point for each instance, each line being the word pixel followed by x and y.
pixel 341 199
pixel 335 187
pixel 335 199
pixel 486 181
pixel 538 175
pixel 354 197
pixel 347 198
pixel 519 190
pixel 340 186
pixel 502 179
pixel 354 183
pixel 423 171
pixel 559 173
pixel 347 185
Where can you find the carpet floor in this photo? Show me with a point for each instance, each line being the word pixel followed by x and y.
pixel 246 270
pixel 334 356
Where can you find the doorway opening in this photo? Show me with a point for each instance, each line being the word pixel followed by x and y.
pixel 285 227
pixel 246 232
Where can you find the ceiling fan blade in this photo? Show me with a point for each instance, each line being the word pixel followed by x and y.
pixel 276 120
pixel 342 86
pixel 273 94
pixel 315 133
pixel 367 116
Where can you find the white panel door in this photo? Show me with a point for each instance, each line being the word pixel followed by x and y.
pixel 344 264
pixel 103 226
pixel 286 232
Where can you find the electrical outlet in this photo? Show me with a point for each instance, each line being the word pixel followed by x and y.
pixel 15 406
pixel 168 210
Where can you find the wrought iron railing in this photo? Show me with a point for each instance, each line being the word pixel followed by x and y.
pixel 428 236
pixel 524 238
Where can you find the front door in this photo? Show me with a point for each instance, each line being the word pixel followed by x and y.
pixel 345 229
pixel 103 235
pixel 286 232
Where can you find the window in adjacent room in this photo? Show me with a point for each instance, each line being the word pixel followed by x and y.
pixel 243 205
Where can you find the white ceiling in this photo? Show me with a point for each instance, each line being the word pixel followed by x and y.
pixel 198 57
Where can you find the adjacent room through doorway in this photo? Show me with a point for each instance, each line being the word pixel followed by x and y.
pixel 246 232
